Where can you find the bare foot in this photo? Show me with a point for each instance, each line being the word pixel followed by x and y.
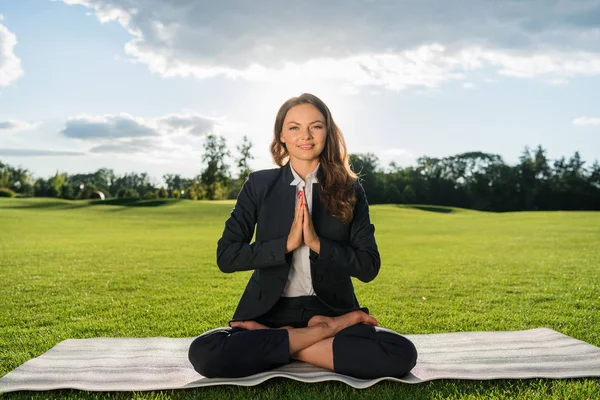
pixel 250 325
pixel 343 321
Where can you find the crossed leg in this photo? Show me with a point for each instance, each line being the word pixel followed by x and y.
pixel 348 344
pixel 314 344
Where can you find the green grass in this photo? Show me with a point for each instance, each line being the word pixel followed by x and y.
pixel 72 270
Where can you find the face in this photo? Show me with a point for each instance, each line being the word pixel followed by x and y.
pixel 304 132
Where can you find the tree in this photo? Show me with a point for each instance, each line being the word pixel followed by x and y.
pixel 174 182
pixel 67 192
pixel 242 161
pixel 55 184
pixel 4 177
pixel 366 167
pixel 216 174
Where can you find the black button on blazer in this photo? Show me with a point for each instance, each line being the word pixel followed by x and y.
pixel 267 201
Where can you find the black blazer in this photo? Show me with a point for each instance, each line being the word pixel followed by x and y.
pixel 267 200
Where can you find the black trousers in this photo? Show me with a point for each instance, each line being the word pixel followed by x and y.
pixel 361 350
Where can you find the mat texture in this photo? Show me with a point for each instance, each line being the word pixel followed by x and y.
pixel 137 364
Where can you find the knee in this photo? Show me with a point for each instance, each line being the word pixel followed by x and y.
pixel 206 355
pixel 374 355
pixel 401 355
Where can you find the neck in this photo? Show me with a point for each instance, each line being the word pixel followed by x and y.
pixel 304 167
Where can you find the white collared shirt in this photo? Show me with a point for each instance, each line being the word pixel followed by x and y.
pixel 299 281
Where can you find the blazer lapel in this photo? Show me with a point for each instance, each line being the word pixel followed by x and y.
pixel 286 207
pixel 317 209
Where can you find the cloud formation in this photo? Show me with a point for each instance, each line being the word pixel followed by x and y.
pixel 132 146
pixel 10 64
pixel 586 121
pixel 37 153
pixel 366 42
pixel 127 134
pixel 14 125
pixel 88 127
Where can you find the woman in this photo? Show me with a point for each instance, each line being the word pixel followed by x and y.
pixel 299 303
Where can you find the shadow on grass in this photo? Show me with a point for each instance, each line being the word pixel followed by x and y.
pixel 73 204
pixel 47 205
pixel 437 209
pixel 133 202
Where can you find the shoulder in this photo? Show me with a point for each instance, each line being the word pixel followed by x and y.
pixel 359 189
pixel 264 178
pixel 361 196
pixel 265 174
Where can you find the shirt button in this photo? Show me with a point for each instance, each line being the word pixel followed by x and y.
pixel 317 278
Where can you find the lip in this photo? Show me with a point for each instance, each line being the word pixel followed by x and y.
pixel 306 146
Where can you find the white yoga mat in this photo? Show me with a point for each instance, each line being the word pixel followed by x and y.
pixel 137 364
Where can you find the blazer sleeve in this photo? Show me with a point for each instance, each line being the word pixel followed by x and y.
pixel 360 257
pixel 234 251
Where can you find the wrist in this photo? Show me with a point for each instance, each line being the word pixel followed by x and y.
pixel 315 246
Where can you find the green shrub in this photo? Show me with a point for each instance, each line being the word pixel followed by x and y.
pixel 162 193
pixel 150 195
pixel 176 194
pixel 128 193
pixel 4 192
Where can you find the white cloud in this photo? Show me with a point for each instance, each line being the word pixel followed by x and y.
pixel 88 127
pixel 38 153
pixel 93 127
pixel 393 45
pixel 10 64
pixel 586 121
pixel 15 126
pixel 170 136
pixel 397 152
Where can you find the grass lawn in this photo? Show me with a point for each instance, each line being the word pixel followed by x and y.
pixel 75 270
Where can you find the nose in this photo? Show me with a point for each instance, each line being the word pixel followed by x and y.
pixel 307 133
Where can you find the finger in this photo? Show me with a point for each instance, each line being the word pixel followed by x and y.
pixel 306 216
pixel 299 201
pixel 298 213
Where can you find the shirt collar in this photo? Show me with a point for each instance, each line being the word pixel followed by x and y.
pixel 312 176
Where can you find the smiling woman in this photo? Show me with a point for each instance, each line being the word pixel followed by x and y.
pixel 299 303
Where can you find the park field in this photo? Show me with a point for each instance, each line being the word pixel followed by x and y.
pixel 79 270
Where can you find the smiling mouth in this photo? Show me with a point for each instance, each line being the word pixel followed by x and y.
pixel 306 146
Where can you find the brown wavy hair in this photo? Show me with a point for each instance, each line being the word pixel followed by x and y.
pixel 335 178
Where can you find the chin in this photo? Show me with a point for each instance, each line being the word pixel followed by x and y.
pixel 307 157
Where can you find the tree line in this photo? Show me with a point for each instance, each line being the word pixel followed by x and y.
pixel 474 180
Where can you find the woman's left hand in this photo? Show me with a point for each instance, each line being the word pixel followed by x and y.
pixel 308 230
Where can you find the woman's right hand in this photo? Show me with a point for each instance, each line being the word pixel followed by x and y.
pixel 295 237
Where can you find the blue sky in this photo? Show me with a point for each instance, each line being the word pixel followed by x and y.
pixel 135 85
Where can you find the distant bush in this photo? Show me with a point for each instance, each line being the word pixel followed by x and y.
pixel 87 191
pixel 129 193
pixel 150 195
pixel 67 192
pixel 162 193
pixel 4 192
pixel 175 194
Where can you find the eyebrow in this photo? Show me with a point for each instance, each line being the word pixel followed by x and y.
pixel 294 122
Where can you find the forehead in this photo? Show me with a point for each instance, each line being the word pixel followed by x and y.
pixel 304 113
